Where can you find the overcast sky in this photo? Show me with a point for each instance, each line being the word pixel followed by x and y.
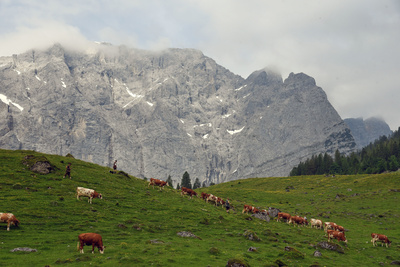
pixel 350 47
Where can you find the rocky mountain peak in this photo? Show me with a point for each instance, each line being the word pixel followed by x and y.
pixel 264 77
pixel 367 131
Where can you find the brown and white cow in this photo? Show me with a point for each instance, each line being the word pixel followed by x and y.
pixel 329 226
pixel 10 219
pixel 316 223
pixel 283 215
pixel 211 198
pixel 86 192
pixel 297 220
pixel 338 228
pixel 336 235
pixel 188 191
pixel 215 199
pixel 382 238
pixel 157 182
pixel 249 208
pixel 90 239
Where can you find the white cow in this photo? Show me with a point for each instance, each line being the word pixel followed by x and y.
pixel 86 192
pixel 316 223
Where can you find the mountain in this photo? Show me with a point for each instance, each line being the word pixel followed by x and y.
pixel 367 131
pixel 163 113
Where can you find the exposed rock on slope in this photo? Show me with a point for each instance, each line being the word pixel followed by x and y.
pixel 367 131
pixel 164 113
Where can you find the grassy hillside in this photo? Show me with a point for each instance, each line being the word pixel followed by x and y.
pixel 139 225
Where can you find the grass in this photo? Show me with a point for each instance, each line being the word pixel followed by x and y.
pixel 139 225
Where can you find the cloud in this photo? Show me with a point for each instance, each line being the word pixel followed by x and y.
pixel 41 35
pixel 349 47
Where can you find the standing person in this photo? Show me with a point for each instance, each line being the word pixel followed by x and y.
pixel 68 171
pixel 227 205
pixel 115 166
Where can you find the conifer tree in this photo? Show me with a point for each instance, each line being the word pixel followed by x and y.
pixel 186 181
pixel 196 184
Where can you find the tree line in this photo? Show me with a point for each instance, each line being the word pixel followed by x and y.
pixel 186 182
pixel 380 156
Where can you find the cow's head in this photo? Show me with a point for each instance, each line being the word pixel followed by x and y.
pixel 15 222
pixel 101 249
pixel 100 196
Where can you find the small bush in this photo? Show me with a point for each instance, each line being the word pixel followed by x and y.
pixel 205 221
pixel 17 186
pixel 214 251
pixel 237 263
pixel 251 235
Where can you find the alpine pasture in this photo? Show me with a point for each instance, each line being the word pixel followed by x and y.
pixel 140 225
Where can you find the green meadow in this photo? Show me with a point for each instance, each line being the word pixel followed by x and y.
pixel 140 225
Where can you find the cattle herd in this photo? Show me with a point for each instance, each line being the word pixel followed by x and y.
pixel 332 230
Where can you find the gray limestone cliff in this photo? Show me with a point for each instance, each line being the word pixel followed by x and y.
pixel 164 113
pixel 367 131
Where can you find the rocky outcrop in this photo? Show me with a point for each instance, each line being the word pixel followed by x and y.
pixel 164 113
pixel 367 131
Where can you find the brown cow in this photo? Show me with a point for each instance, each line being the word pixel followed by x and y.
pixel 248 208
pixel 10 219
pixel 382 238
pixel 157 182
pixel 336 235
pixel 188 191
pixel 298 220
pixel 338 228
pixel 283 215
pixel 204 196
pixel 90 239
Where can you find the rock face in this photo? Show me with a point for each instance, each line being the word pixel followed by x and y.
pixel 367 131
pixel 164 113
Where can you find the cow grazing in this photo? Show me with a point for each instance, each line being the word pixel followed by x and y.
pixel 283 215
pixel 188 191
pixel 86 192
pixel 316 223
pixel 338 228
pixel 248 208
pixel 214 199
pixel 329 226
pixel 336 235
pixel 382 238
pixel 90 239
pixel 297 220
pixel 10 219
pixel 157 182
pixel 204 196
